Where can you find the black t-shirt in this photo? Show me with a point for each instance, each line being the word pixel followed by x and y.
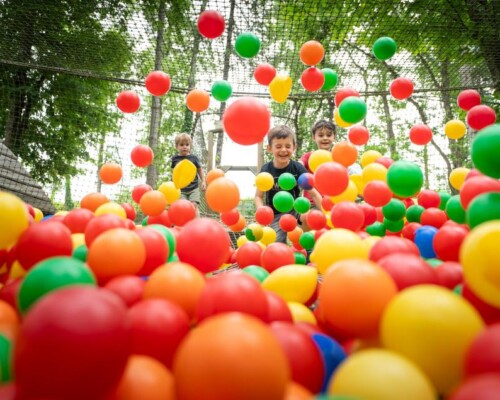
pixel 191 157
pixel 295 168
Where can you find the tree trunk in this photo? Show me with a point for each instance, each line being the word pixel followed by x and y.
pixel 391 138
pixel 100 160
pixel 154 127
pixel 68 200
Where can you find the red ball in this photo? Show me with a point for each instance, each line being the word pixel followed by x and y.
pixel 449 274
pixel 484 387
pixel 141 155
pixel 158 83
pixel 211 24
pixel 288 222
pixel 347 215
pixel 264 215
pixel 316 219
pixel 232 292
pixel 468 99
pixel 161 219
pixel 377 193
pixel 129 288
pixel 483 354
pixel 479 117
pixel 312 79
pixel 434 217
pixel 276 255
pixel 278 310
pixel 370 213
pixel 401 88
pixel 76 220
pixel 385 161
pixel 68 337
pixel 248 254
pixel 476 186
pixel 327 203
pixel 447 242
pixel 204 244
pixel 408 270
pixel 230 217
pixel 181 212
pixel 128 101
pixel 428 198
pixel 41 241
pixel 331 178
pixel 157 250
pixel 420 135
pixel 358 135
pixel 409 230
pixel 247 121
pixel 129 211
pixel 139 190
pixel 392 244
pixel 101 224
pixel 344 92
pixel 158 327
pixel 489 314
pixel 264 73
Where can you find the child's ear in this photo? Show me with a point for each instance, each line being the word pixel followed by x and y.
pixel 268 148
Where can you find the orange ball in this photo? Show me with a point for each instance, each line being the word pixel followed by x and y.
pixel 238 226
pixel 198 100
pixel 9 320
pixel 353 296
pixel 296 391
pixel 110 173
pixel 214 174
pixel 116 252
pixel 153 203
pixel 177 282
pixel 147 379
pixel 92 201
pixel 222 195
pixel 219 364
pixel 345 153
pixel 312 52
pixel 294 236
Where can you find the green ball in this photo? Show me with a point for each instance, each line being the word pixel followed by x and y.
pixel 485 150
pixel 384 48
pixel 144 222
pixel 376 229
pixel 300 258
pixel 458 289
pixel 404 178
pixel 413 213
pixel 307 240
pixel 221 90
pixel 247 45
pixel 454 210
pixel 287 181
pixel 81 253
pixel 49 275
pixel 257 272
pixel 167 234
pixel 445 196
pixel 331 79
pixel 485 207
pixel 434 262
pixel 352 109
pixel 301 205
pixel 254 232
pixel 394 226
pixel 394 210
pixel 283 201
pixel 172 258
pixel 5 359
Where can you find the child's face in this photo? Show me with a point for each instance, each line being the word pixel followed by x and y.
pixel 324 137
pixel 183 148
pixel 282 150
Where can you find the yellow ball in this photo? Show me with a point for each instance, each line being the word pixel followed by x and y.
pixel 455 129
pixel 368 157
pixel 38 214
pixel 339 121
pixel 170 192
pixel 111 208
pixel 381 374
pixel 13 217
pixel 62 213
pixel 292 282
pixel 433 327
pixel 374 172
pixel 350 194
pixel 480 259
pixel 268 235
pixel 358 181
pixel 457 177
pixel 264 181
pixel 241 241
pixel 254 232
pixel 336 245
pixel 301 313
pixel 17 272
pixel 319 157
pixel 370 241
pixel 77 239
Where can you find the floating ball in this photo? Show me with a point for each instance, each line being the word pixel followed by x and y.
pixel 169 191
pixel 331 79
pixel 485 149
pixel 301 205
pixel 287 181
pixel 247 45
pixel 254 232
pixel 153 203
pixel 420 134
pixel 283 201
pixel 110 173
pixel 264 73
pixel 405 178
pixel 485 207
pixel 343 93
pixel 401 88
pixel 222 195
pixel 368 157
pixel 158 83
pixel 454 210
pixel 306 181
pixel 141 156
pixel 311 52
pixel 14 219
pixel 457 177
pixel 211 24
pixel 198 100
pixel 312 79
pixel 384 48
pixel 331 178
pixel 344 153
pixel 128 101
pixel 352 109
pixel 264 215
pixel 358 135
pixel 214 174
pixel 479 117
pixel 221 90
pixel 468 99
pixel 455 129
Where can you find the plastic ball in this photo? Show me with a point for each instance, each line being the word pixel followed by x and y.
pixel 457 177
pixel 211 24
pixel 347 215
pixel 287 181
pixel 247 45
pixel 312 79
pixel 420 134
pixel 254 232
pixel 111 208
pixel 307 240
pixel 301 205
pixel 169 191
pixel 152 203
pixel 222 195
pixel 331 178
pixel 264 181
pixel 479 117
pixel 14 219
pixel 128 101
pixel 405 178
pixel 454 210
pixel 306 181
pixel 401 88
pixel 214 174
pixel 428 198
pixel 358 135
pixel 311 52
pixel 319 157
pixel 275 256
pixel 158 83
pixel 483 208
pixel 344 153
pixel 484 387
pixel 408 270
pixel 394 210
pixel 110 173
pixel 484 150
pixel 343 93
pixel 434 217
pixel 368 157
pixel 221 90
pixel 264 215
pixel 247 121
pixel 384 48
pixel 352 109
pixel 339 121
pixel 280 87
pixel 331 79
pixel 181 212
pixel 264 73
pixel 475 186
pixel 455 129
pixel 283 201
pixel 292 282
pixel 468 99
pixel 421 308
pixel 377 193
pixel 374 172
pixel 198 100
pixel 269 236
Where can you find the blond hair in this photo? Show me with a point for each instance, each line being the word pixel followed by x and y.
pixel 183 137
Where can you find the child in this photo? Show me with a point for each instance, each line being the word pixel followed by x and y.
pixel 191 192
pixel 282 143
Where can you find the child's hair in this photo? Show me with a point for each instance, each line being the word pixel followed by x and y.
pixel 281 132
pixel 183 137
pixel 323 124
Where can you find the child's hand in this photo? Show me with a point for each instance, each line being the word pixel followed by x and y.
pixel 203 186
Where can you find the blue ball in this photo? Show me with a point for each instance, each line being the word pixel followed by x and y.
pixel 306 181
pixel 424 237
pixel 332 354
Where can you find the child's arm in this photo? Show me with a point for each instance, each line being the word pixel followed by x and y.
pixel 316 198
pixel 259 198
pixel 203 183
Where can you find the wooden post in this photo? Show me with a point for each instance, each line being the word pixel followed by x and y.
pixel 260 156
pixel 210 155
